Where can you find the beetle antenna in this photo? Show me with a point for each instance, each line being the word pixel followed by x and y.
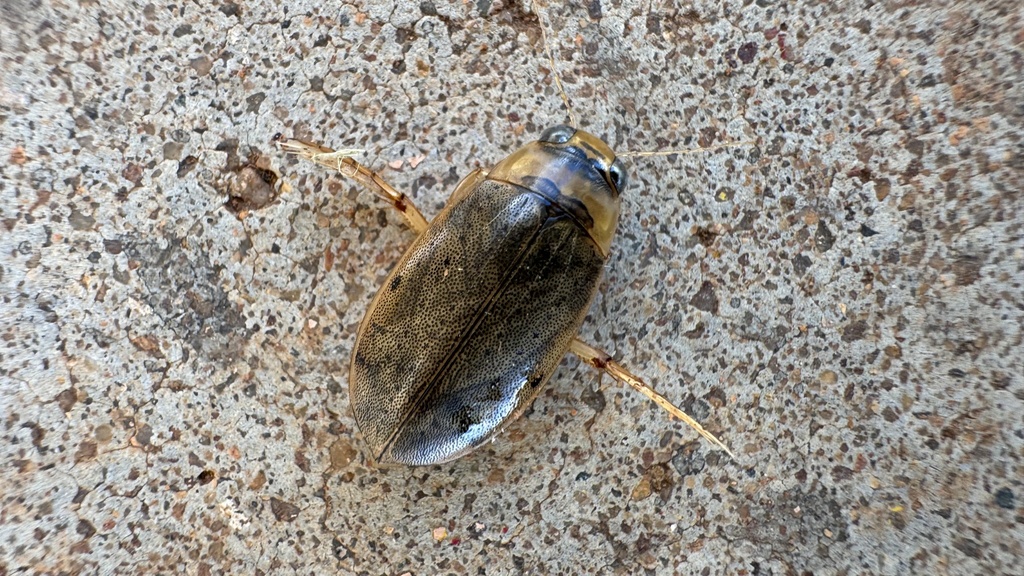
pixel 688 151
pixel 554 68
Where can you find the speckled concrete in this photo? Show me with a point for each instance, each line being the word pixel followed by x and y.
pixel 841 302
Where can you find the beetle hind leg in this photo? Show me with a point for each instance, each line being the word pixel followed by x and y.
pixel 602 361
pixel 342 161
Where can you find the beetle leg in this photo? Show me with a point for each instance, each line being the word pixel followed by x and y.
pixel 341 160
pixel 602 361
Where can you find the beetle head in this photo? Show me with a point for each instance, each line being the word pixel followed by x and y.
pixel 577 171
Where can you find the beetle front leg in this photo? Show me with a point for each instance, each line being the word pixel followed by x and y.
pixel 602 361
pixel 341 160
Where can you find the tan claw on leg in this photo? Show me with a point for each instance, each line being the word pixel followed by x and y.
pixel 602 361
pixel 341 160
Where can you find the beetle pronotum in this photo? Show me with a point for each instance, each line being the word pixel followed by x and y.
pixel 483 305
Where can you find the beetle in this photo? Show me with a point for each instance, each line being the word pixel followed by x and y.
pixel 483 305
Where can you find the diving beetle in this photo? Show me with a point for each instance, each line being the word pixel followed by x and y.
pixel 481 308
pixel 483 305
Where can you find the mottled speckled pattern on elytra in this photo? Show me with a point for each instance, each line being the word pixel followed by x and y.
pixel 841 302
pixel 472 321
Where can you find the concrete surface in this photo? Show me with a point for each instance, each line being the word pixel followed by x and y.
pixel 841 302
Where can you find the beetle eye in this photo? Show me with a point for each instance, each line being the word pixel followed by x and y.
pixel 617 173
pixel 557 134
